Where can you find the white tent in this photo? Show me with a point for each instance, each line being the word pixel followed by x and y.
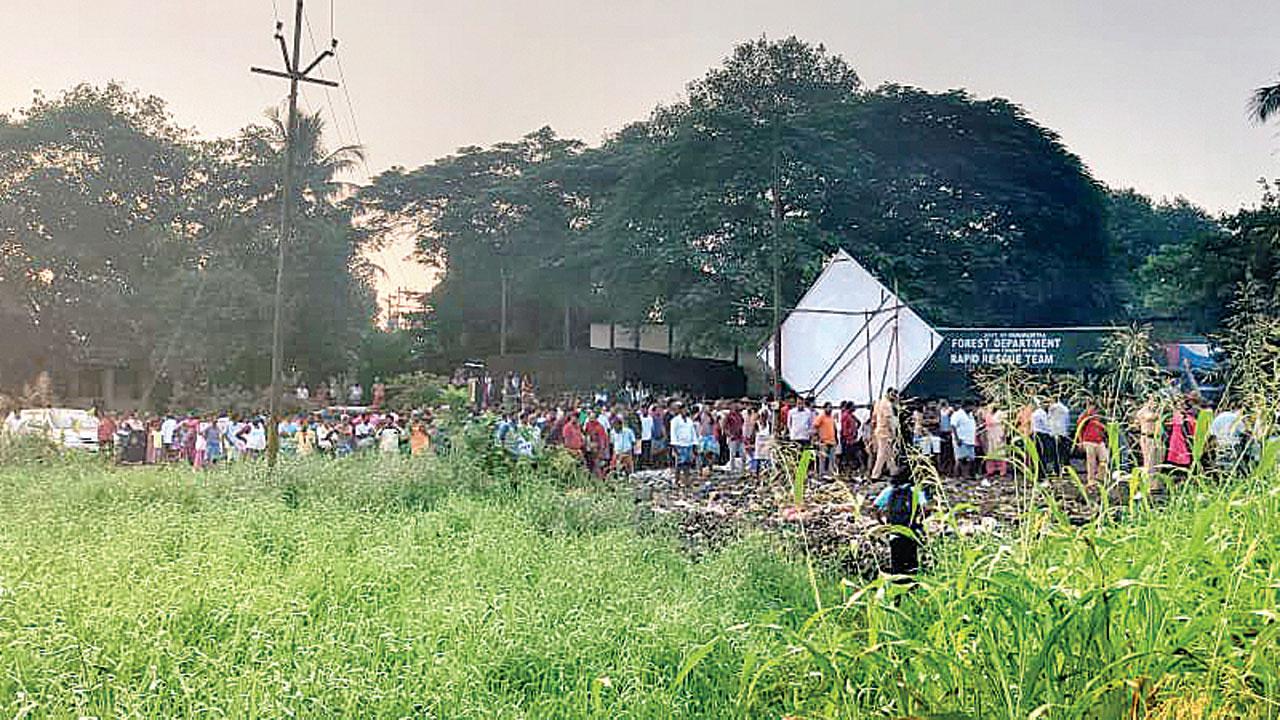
pixel 851 338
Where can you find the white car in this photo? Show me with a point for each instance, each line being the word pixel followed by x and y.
pixel 68 427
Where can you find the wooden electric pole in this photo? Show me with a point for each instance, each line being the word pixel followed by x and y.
pixel 294 75
pixel 502 332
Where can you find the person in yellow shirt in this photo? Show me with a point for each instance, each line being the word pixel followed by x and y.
pixel 306 441
pixel 419 440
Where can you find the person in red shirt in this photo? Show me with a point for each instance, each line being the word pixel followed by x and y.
pixel 106 434
pixel 849 426
pixel 598 446
pixel 572 435
pixel 733 423
pixel 1092 435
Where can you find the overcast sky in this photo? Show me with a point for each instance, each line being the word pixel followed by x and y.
pixel 1150 94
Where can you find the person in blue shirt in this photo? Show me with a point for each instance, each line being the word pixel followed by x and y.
pixel 623 439
pixel 902 504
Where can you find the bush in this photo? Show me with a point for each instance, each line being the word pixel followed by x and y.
pixel 412 391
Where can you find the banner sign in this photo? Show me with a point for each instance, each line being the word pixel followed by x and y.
pixel 1050 349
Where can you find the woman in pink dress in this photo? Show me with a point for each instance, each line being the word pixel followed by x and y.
pixel 1180 433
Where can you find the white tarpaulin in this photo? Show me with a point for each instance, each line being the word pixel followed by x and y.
pixel 850 338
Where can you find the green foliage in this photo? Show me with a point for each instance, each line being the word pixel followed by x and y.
pixel 672 218
pixel 1199 280
pixel 385 354
pixel 1169 610
pixel 364 588
pixel 1128 374
pixel 129 240
pixel 414 391
pixel 1251 341
pixel 378 587
pixel 483 214
pixel 1139 228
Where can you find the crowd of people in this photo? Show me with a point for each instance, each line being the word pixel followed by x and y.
pixel 204 441
pixel 967 440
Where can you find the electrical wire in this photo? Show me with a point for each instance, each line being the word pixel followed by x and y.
pixel 346 91
pixel 337 124
pixel 342 82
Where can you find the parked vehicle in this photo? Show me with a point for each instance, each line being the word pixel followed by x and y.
pixel 68 427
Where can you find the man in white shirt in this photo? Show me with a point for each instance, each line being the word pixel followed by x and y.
pixel 800 424
pixel 1227 428
pixel 965 431
pixel 646 436
pixel 684 441
pixel 1060 426
pixel 1042 428
pixel 167 430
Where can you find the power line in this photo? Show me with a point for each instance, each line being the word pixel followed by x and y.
pixel 337 124
pixel 342 83
pixel 355 128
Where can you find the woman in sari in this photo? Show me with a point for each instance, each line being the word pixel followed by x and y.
pixel 1181 432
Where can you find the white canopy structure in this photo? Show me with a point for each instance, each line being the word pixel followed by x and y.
pixel 851 338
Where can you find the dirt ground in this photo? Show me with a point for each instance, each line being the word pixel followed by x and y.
pixel 837 521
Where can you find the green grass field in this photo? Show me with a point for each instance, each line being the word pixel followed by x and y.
pixel 369 588
pixel 352 589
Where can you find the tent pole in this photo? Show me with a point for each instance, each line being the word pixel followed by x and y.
pixel 871 395
pixel 897 349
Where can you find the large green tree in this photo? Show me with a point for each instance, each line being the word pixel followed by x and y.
pixel 127 238
pixel 490 217
pixel 1199 280
pixel 1139 228
pixel 329 302
pixel 95 203
pixel 977 212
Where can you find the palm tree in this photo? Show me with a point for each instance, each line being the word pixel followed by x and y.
pixel 317 167
pixel 1265 103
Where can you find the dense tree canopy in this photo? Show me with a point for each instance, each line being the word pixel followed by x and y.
pixel 1200 279
pixel 125 238
pixel 123 235
pixel 486 215
pixel 977 212
pixel 1139 228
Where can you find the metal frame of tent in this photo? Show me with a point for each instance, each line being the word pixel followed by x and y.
pixel 866 334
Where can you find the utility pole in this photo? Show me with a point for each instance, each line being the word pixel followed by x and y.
pixel 502 336
pixel 294 75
